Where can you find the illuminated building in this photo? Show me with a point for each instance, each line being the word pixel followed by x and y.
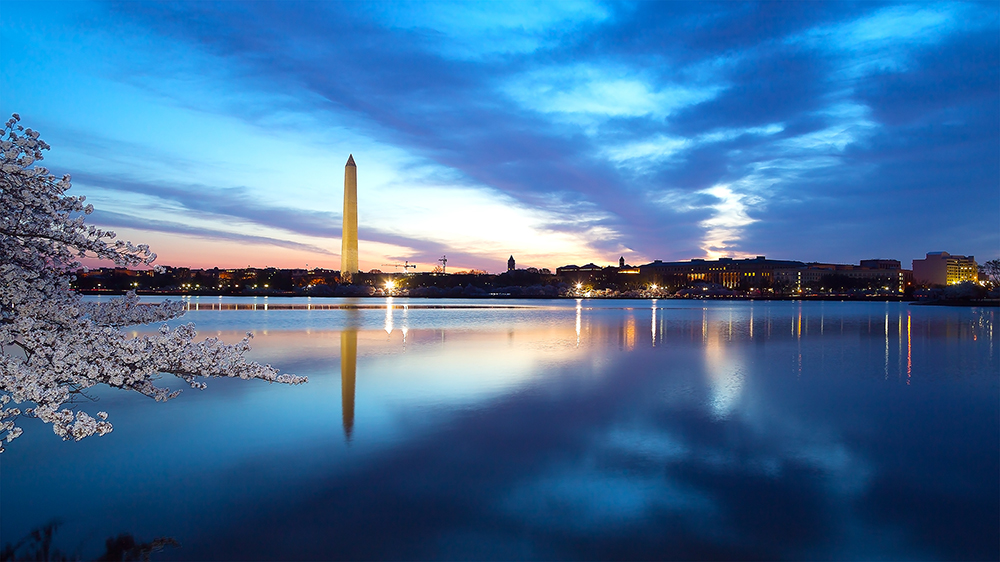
pixel 877 274
pixel 510 263
pixel 590 268
pixel 942 268
pixel 728 272
pixel 349 237
pixel 590 273
pixel 626 268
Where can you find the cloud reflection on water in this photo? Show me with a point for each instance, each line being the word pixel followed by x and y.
pixel 583 429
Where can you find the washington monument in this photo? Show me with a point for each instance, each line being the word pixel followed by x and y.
pixel 349 239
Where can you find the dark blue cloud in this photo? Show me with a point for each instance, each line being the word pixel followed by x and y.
pixel 931 172
pixel 213 201
pixel 441 108
pixel 119 220
pixel 954 81
pixel 909 131
pixel 775 87
pixel 694 31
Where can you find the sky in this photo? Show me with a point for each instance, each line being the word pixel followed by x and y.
pixel 556 132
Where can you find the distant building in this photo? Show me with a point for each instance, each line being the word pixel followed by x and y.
pixel 874 274
pixel 942 268
pixel 590 268
pixel 881 264
pixel 510 263
pixel 590 273
pixel 728 272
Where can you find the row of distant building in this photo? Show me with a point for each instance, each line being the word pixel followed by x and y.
pixel 937 268
pixel 753 275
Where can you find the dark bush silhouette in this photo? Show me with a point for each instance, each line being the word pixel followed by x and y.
pixel 37 546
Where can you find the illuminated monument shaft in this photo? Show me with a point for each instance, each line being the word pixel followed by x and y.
pixel 349 238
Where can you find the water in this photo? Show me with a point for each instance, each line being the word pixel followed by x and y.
pixel 551 430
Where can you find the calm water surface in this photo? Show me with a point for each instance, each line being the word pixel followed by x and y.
pixel 551 430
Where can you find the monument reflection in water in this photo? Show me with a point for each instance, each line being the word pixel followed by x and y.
pixel 348 376
pixel 588 429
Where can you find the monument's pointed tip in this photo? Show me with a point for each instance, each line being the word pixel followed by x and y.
pixel 350 161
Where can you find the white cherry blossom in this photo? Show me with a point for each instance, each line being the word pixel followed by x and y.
pixel 54 346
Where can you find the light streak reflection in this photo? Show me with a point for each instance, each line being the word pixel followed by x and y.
pixel 652 326
pixel 406 321
pixel 899 346
pixel 704 324
pixel 725 372
pixel 388 315
pixel 630 332
pixel 887 345
pixel 909 348
pixel 579 310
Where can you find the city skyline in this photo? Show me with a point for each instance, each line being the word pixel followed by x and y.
pixel 564 132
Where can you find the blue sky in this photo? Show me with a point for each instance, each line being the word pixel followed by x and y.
pixel 559 132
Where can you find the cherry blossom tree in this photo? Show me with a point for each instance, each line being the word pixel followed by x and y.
pixel 54 346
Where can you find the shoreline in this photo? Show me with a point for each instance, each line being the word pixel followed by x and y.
pixel 991 303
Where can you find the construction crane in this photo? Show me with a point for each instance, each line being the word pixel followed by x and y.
pixel 444 264
pixel 405 266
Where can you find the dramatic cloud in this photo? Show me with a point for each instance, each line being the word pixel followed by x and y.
pixel 656 130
